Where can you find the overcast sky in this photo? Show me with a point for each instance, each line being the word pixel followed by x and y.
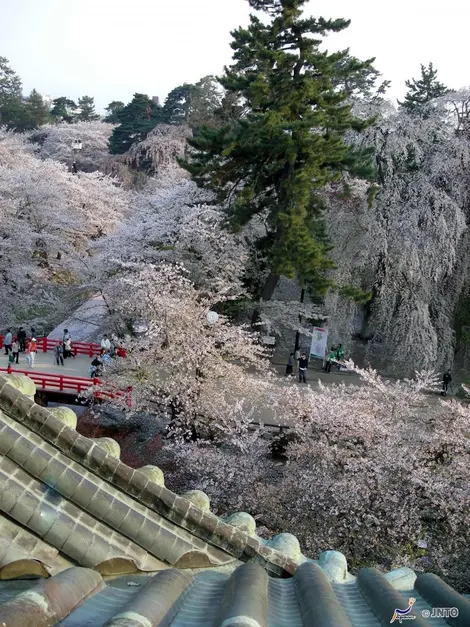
pixel 111 49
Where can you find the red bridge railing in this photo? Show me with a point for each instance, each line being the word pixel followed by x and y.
pixel 79 348
pixel 65 383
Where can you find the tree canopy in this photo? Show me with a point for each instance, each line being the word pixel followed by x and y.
pixel 136 120
pixel 63 109
pixel 422 91
pixel 10 94
pixel 113 108
pixel 87 112
pixel 275 159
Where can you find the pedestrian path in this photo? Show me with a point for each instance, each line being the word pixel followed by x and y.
pixel 45 362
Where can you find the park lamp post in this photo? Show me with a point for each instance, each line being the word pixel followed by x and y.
pixel 76 147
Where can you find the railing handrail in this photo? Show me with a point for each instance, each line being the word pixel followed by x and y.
pixel 46 344
pixel 66 382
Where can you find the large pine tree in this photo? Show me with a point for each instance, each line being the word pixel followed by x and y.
pixel 11 103
pixel 422 91
pixel 113 109
pixel 63 110
pixel 290 142
pixel 136 120
pixel 87 112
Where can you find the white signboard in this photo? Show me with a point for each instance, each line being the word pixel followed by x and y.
pixel 319 340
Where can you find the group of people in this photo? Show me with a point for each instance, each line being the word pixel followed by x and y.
pixel 63 349
pixel 15 345
pixel 335 354
pixel 302 364
pixel 107 352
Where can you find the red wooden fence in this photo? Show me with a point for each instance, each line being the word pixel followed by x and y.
pixel 79 348
pixel 65 383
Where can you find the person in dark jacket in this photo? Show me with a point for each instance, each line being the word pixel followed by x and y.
pixel 59 354
pixel 21 335
pixel 446 381
pixel 290 365
pixel 303 365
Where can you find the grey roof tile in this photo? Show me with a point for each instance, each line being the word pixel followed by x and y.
pixel 64 499
pixel 246 598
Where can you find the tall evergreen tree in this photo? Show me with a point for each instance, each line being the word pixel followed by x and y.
pixel 177 105
pixel 63 109
pixel 113 109
pixel 194 105
pixel 291 141
pixel 37 111
pixel 87 112
pixel 136 120
pixel 11 103
pixel 422 91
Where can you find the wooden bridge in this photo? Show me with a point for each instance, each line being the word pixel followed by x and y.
pixel 71 379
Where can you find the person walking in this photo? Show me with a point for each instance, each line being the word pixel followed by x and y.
pixel 66 344
pixel 290 365
pixel 303 365
pixel 21 336
pixel 446 381
pixel 68 351
pixel 7 342
pixel 31 352
pixel 15 350
pixel 59 354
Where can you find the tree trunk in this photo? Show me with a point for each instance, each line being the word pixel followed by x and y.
pixel 297 335
pixel 266 294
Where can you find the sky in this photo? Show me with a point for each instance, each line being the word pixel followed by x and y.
pixel 110 49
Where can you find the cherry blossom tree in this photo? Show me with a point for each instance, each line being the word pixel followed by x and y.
pixel 54 141
pixel 200 374
pixel 174 221
pixel 411 249
pixel 378 471
pixel 50 220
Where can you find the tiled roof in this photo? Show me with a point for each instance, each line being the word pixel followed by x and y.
pixel 248 597
pixel 76 495
pixel 72 514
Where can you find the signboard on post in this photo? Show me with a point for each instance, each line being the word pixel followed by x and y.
pixel 319 342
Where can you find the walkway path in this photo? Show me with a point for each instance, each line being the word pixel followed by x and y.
pixel 45 362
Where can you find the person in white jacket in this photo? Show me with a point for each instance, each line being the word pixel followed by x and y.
pixel 105 343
